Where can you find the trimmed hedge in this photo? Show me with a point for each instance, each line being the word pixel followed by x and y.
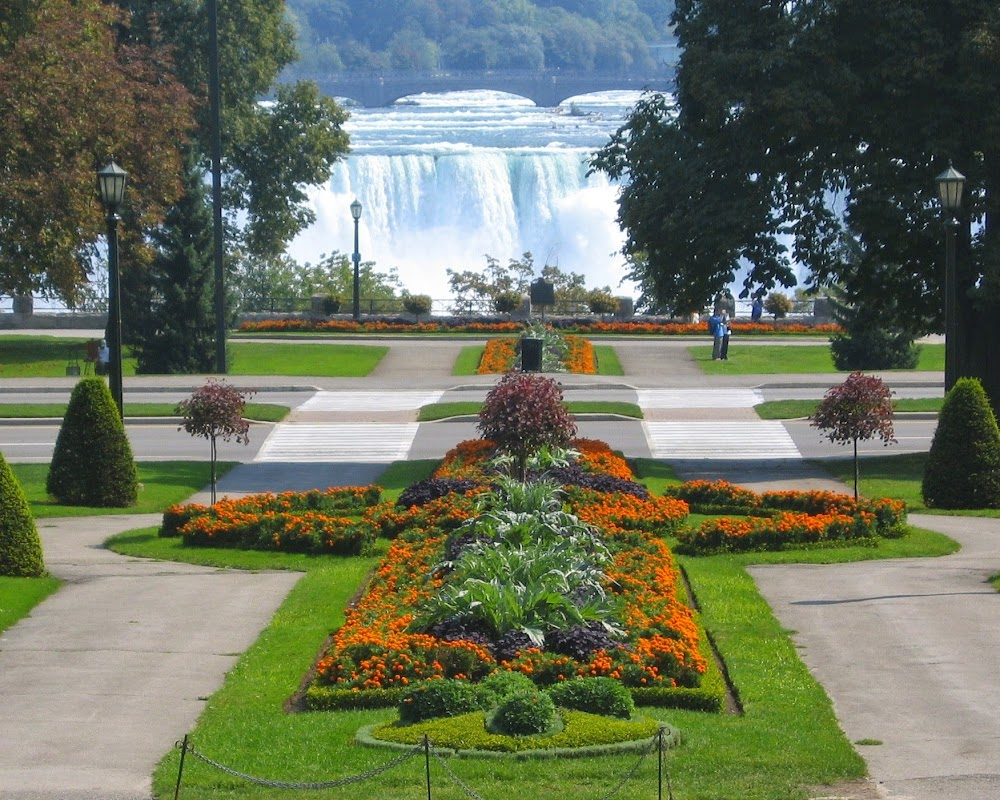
pixel 963 465
pixel 600 695
pixel 523 714
pixel 92 464
pixel 20 547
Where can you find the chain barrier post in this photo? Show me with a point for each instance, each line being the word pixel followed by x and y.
pixel 427 764
pixel 659 763
pixel 180 769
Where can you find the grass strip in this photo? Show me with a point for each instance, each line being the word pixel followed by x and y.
pixel 19 595
pixel 49 356
pixel 768 359
pixel 607 360
pixel 258 412
pixel 465 408
pixel 162 483
pixel 798 409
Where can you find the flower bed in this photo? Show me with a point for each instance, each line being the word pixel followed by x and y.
pixel 777 520
pixel 332 521
pixel 585 326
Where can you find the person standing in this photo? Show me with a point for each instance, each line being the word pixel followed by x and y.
pixel 725 330
pixel 103 357
pixel 715 328
pixel 757 309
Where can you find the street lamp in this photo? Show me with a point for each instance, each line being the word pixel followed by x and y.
pixel 356 213
pixel 111 182
pixel 950 184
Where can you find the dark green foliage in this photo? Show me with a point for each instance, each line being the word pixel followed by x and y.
pixel 332 303
pixel 92 464
pixel 417 304
pixel 871 340
pixel 596 695
pixel 439 698
pixel 498 686
pixel 963 466
pixel 170 321
pixel 523 714
pixel 20 547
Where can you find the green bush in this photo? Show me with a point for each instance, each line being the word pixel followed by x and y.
pixel 507 302
pixel 602 302
pixel 498 686
pixel 418 304
pixel 332 303
pixel 963 465
pixel 20 547
pixel 92 464
pixel 438 698
pixel 778 304
pixel 604 696
pixel 523 714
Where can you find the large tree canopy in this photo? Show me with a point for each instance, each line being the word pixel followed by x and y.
pixel 71 98
pixel 798 125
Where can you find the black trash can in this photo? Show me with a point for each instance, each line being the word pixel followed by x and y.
pixel 531 355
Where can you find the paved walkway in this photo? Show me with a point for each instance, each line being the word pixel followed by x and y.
pixel 128 649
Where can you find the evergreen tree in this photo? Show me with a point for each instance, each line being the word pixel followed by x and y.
pixel 92 464
pixel 171 327
pixel 963 466
pixel 20 547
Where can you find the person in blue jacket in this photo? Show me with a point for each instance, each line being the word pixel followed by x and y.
pixel 716 329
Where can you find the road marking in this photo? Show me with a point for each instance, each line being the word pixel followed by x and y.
pixel 369 401
pixel 699 398
pixel 724 440
pixel 368 443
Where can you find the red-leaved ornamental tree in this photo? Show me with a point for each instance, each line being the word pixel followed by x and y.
pixel 860 408
pixel 215 411
pixel 523 412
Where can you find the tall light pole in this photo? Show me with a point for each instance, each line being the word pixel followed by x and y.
pixel 356 213
pixel 111 182
pixel 950 184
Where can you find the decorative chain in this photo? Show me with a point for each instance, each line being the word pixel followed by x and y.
pixel 317 785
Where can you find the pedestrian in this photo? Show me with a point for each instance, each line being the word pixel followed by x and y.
pixel 725 330
pixel 103 357
pixel 757 309
pixel 715 328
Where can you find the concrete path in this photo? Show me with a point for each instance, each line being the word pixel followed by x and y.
pixel 101 680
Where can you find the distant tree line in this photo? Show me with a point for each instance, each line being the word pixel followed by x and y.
pixel 339 35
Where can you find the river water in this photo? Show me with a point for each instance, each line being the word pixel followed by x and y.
pixel 445 180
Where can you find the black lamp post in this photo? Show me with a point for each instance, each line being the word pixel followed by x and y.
pixel 111 182
pixel 950 184
pixel 356 213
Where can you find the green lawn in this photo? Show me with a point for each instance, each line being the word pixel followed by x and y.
pixel 797 409
pixel 48 357
pixel 163 483
pixel 259 412
pixel 19 595
pixel 773 359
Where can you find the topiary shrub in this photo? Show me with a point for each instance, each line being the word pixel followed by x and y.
pixel 92 464
pixel 20 547
pixel 523 714
pixel 869 342
pixel 507 302
pixel 418 304
pixel 777 304
pixel 602 302
pixel 438 698
pixel 498 686
pixel 604 696
pixel 963 465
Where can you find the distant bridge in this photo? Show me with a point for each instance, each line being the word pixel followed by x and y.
pixel 546 89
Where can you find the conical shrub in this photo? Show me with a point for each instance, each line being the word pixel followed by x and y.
pixel 20 547
pixel 963 466
pixel 92 464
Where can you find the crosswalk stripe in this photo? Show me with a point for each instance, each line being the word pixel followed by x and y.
pixel 369 401
pixel 728 440
pixel 372 443
pixel 699 398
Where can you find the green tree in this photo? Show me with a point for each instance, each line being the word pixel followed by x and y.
pixel 20 547
pixel 92 464
pixel 963 465
pixel 781 106
pixel 71 97
pixel 171 320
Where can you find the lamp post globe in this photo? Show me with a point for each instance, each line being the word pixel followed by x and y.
pixel 950 184
pixel 356 306
pixel 111 184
